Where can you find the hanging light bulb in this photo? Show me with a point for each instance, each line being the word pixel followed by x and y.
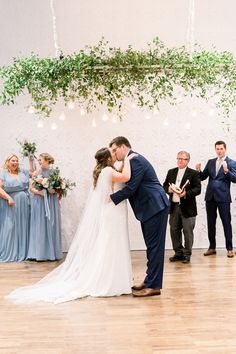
pixel 71 104
pixel 166 123
pixel 31 110
pixel 82 112
pixel 105 117
pixel 40 124
pixel 194 113
pixel 188 125
pixel 94 124
pixel 114 119
pixel 211 112
pixel 53 126
pixel 62 116
pixel 155 112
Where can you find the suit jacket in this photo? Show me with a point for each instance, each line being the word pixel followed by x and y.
pixel 144 191
pixel 218 187
pixel 188 203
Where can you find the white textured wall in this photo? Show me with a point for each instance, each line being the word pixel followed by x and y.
pixel 26 26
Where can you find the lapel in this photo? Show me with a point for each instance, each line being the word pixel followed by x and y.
pixel 212 169
pixel 130 152
pixel 221 170
pixel 174 175
pixel 185 176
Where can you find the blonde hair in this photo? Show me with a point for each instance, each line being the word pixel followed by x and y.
pixel 47 157
pixel 6 162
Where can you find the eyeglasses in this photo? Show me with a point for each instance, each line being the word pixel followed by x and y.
pixel 114 150
pixel 181 159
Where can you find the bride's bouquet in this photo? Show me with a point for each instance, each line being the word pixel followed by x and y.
pixel 53 184
pixel 27 149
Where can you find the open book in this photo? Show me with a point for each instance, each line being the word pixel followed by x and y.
pixel 179 190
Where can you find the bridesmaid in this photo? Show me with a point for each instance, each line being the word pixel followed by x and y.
pixel 14 211
pixel 45 223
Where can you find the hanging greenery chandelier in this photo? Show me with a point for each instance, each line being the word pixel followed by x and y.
pixel 107 76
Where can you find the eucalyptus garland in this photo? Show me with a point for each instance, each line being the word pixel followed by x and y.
pixel 104 75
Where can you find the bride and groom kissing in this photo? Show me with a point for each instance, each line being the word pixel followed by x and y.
pixel 98 262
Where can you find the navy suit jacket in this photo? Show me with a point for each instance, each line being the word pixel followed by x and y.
pixel 144 191
pixel 218 187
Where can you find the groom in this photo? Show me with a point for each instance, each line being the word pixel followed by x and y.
pixel 150 206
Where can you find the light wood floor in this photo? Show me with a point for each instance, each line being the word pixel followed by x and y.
pixel 195 314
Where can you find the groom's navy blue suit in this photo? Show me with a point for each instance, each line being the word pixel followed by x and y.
pixel 150 205
pixel 218 197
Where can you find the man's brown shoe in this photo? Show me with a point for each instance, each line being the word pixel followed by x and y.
pixel 138 287
pixel 210 252
pixel 230 254
pixel 146 292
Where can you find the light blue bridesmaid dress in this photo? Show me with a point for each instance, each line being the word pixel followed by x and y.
pixel 45 226
pixel 14 221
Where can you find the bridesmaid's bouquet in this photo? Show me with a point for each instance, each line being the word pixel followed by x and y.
pixel 40 183
pixel 54 183
pixel 58 184
pixel 27 149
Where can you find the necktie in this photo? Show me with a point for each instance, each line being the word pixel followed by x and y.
pixel 218 165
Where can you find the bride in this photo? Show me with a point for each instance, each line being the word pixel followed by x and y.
pixel 98 262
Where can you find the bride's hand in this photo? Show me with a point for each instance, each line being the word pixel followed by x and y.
pixel 131 156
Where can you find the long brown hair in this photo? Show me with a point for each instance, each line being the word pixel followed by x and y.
pixel 103 158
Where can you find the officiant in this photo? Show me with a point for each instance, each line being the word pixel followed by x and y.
pixel 182 184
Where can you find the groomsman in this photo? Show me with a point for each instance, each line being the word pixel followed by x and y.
pixel 183 208
pixel 220 171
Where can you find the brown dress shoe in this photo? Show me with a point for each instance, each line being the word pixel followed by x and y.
pixel 210 252
pixel 230 254
pixel 146 292
pixel 138 287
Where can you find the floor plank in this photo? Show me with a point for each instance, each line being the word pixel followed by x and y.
pixel 196 313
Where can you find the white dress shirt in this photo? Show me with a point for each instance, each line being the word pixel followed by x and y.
pixel 219 162
pixel 180 174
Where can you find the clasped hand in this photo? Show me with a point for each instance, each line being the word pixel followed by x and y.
pixel 181 195
pixel 225 167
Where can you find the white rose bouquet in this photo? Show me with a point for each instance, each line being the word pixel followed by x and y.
pixel 40 182
pixel 54 183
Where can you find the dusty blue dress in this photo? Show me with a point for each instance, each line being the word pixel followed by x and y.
pixel 45 226
pixel 14 221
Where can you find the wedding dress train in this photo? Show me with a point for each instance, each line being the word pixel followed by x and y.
pixel 98 262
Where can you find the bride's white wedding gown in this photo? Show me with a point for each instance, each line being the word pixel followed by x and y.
pixel 98 262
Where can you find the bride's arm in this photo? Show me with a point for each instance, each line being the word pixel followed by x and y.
pixel 125 174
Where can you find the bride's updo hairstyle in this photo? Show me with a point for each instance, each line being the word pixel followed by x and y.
pixel 47 157
pixel 103 158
